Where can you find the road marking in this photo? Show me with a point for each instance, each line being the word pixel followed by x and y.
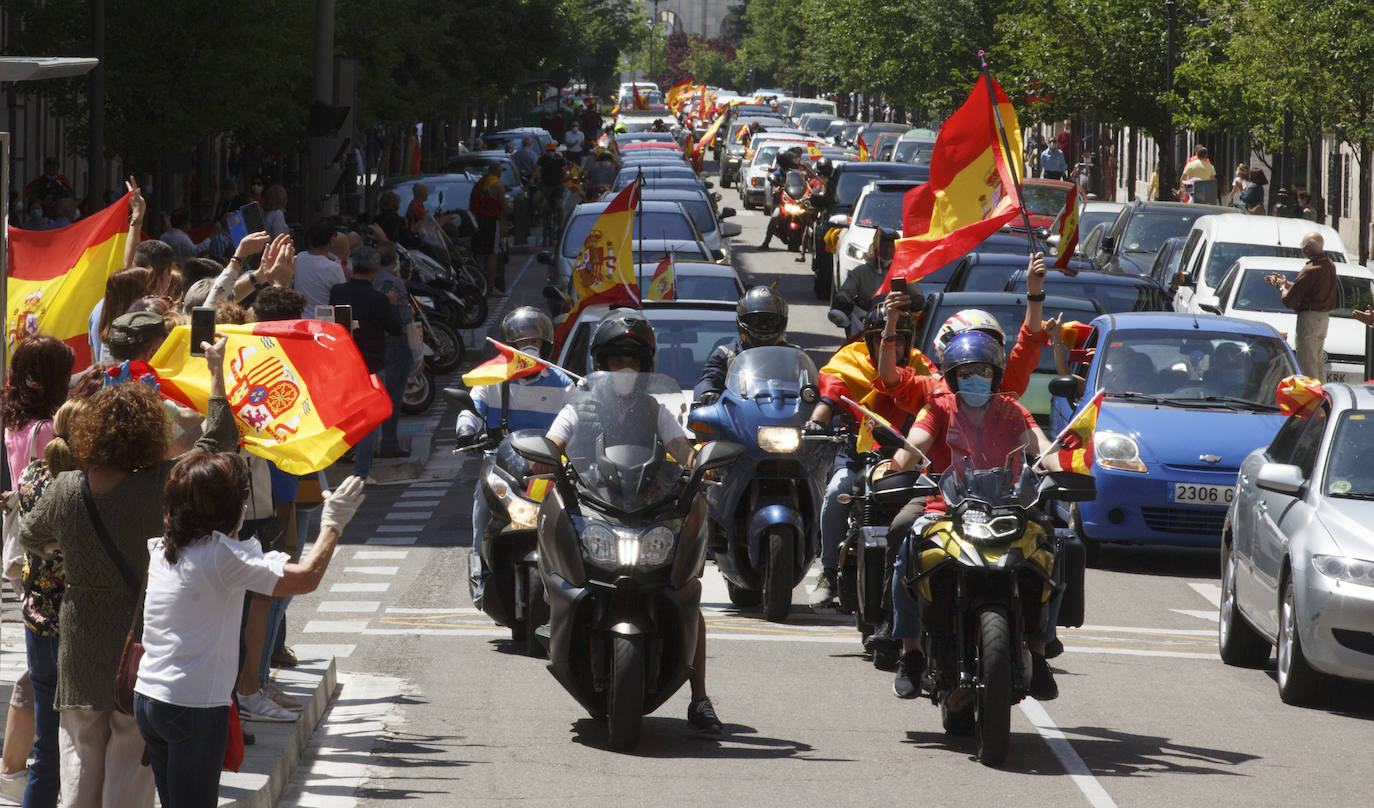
pixel 395 528
pixel 1201 614
pixel 1077 770
pixel 335 626
pixel 419 494
pixel 1211 592
pixel 405 610
pixel 380 555
pixel 418 503
pixel 341 754
pixel 435 484
pixel 1189 632
pixel 1079 649
pixel 306 651
pixel 408 516
pixel 392 540
pixel 360 587
pixel 372 570
pixel 350 606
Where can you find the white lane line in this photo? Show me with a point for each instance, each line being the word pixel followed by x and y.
pixel 408 516
pixel 1141 652
pixel 372 570
pixel 335 626
pixel 418 494
pixel 434 632
pixel 306 651
pixel 360 587
pixel 350 606
pixel 1077 770
pixel 416 503
pixel 1211 592
pixel 434 484
pixel 395 528
pixel 1201 614
pixel 454 610
pixel 1191 632
pixel 380 555
pixel 392 540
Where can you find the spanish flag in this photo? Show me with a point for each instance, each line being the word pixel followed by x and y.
pixel 814 152
pixel 1066 225
pixel 661 286
pixel 1075 333
pixel 863 150
pixel 604 269
pixel 708 136
pixel 1076 441
pixel 299 389
pixel 640 103
pixel 675 98
pixel 508 364
pixel 972 187
pixel 1299 395
pixel 55 277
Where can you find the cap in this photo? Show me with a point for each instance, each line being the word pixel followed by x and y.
pixel 196 295
pixel 550 146
pixel 137 328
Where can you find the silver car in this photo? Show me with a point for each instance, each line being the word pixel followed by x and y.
pixel 1297 553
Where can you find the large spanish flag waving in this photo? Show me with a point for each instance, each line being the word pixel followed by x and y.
pixel 299 389
pixel 55 277
pixel 972 187
pixel 604 269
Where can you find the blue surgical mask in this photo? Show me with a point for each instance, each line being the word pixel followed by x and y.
pixel 976 390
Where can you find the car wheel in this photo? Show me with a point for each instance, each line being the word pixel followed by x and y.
pixel 1237 640
pixel 1298 683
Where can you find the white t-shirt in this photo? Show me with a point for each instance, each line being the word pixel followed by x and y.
pixel 574 139
pixel 315 276
pixel 191 617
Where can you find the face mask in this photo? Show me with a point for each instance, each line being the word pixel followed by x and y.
pixel 975 391
pixel 623 381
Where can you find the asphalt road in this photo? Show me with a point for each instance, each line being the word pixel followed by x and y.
pixel 437 708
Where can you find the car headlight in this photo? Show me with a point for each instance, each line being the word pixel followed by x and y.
pixel 779 439
pixel 756 182
pixel 1114 450
pixel 1345 569
pixel 856 251
pixel 627 547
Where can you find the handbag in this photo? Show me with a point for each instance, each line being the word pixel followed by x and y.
pixel 127 672
pixel 13 560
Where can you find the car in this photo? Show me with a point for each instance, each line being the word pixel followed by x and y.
pixel 1044 200
pixel 474 164
pixel 642 157
pixel 653 250
pixel 870 132
pixel 884 146
pixel 661 220
pixel 834 132
pixel 795 108
pixel 1010 311
pixel 879 205
pixel 740 114
pixel 1116 292
pixel 1215 242
pixel 686 333
pixel 677 168
pixel 995 272
pixel 1129 243
pixel 1174 424
pixel 1093 213
pixel 446 191
pixel 914 146
pixel 626 138
pixel 1297 553
pixel 1244 293
pixel 695 279
pixel 1164 269
pixel 814 122
pixel 635 121
pixel 498 141
pixel 732 159
pixel 702 209
pixel 681 183
pixel 754 189
pixel 836 205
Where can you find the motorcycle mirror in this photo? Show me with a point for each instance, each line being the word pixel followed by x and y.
pixel 538 449
pixel 1064 387
pixel 709 184
pixel 726 213
pixel 545 258
pixel 717 454
pixel 1066 486
pixel 459 398
pixel 809 394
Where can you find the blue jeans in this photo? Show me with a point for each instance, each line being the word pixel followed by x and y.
pixel 362 453
pixel 186 749
pixel 394 376
pixel 481 517
pixel 835 515
pixel 44 780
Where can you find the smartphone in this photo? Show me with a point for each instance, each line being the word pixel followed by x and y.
pixel 899 285
pixel 202 328
pixel 245 220
pixel 343 315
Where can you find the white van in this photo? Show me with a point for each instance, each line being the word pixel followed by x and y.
pixel 1215 242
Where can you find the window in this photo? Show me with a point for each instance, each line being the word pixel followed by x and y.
pixel 1305 453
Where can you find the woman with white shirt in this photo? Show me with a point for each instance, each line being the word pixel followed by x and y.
pixel 197 575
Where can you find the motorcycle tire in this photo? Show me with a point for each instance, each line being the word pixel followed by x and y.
pixel 537 613
pixel 447 346
pixel 419 392
pixel 992 723
pixel 956 722
pixel 471 313
pixel 744 598
pixel 777 581
pixel 625 694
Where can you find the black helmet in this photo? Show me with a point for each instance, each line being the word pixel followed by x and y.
pixel 883 237
pixel 624 332
pixel 527 322
pixel 761 316
pixel 873 332
pixel 824 166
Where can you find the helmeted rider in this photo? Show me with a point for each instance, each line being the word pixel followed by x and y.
pixel 855 296
pixel 761 316
pixel 623 344
pixel 529 402
pixel 787 160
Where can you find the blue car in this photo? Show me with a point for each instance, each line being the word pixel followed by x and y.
pixel 1186 400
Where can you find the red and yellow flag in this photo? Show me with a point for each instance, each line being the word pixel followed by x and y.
pixel 1066 225
pixel 972 187
pixel 675 98
pixel 863 150
pixel 604 269
pixel 814 152
pixel 708 136
pixel 299 389
pixel 1298 395
pixel 640 103
pixel 1076 441
pixel 661 286
pixel 55 277
pixel 507 365
pixel 1075 333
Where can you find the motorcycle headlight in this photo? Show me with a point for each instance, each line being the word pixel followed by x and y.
pixel 981 526
pixel 655 545
pixel 427 302
pixel 779 439
pixel 1345 569
pixel 627 547
pixel 522 512
pixel 600 542
pixel 1114 450
pixel 793 210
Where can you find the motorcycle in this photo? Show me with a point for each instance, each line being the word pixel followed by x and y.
pixel 983 577
pixel 621 546
pixel 446 346
pixel 792 216
pixel 513 594
pixel 459 302
pixel 765 508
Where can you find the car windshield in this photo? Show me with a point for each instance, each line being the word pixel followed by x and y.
pixel 659 224
pixel 881 209
pixel 802 107
pixel 1255 294
pixel 771 368
pixel 1195 368
pixel 1114 297
pixel 1225 253
pixel 1091 219
pixel 671 169
pixel 706 287
pixel 1044 200
pixel 1350 469
pixel 914 150
pixel 700 211
pixel 764 156
pixel 620 460
pixel 1147 230
pixel 852 181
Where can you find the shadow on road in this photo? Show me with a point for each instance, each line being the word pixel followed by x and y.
pixel 1185 562
pixel 1343 697
pixel 665 737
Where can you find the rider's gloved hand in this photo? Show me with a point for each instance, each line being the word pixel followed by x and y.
pixel 710 397
pixel 815 428
pixel 466 437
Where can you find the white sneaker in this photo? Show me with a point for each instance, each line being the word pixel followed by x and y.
pixel 259 707
pixel 13 785
pixel 281 697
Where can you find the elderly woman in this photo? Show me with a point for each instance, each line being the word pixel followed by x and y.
pixel 198 572
pixel 100 519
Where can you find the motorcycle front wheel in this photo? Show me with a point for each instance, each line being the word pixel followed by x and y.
pixel 447 345
pixel 419 392
pixel 536 612
pixel 993 720
pixel 777 582
pixel 625 696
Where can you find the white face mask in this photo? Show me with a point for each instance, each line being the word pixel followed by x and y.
pixel 623 381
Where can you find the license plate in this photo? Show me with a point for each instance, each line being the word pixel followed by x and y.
pixel 1204 494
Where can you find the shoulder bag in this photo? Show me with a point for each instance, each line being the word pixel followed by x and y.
pixel 127 672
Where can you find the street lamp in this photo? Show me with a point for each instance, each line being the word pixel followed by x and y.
pixel 653 23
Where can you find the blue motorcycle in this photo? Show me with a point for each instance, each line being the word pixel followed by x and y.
pixel 765 507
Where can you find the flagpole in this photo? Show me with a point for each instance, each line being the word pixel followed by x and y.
pixel 538 360
pixel 639 215
pixel 1006 152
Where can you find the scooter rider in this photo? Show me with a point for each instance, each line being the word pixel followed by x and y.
pixel 788 160
pixel 761 316
pixel 529 402
pixel 623 343
pixel 972 366
pixel 859 289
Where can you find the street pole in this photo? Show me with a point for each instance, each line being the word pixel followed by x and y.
pixel 96 175
pixel 318 148
pixel 653 23
pixel 1166 168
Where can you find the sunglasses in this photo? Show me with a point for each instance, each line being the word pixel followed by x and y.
pixel 968 372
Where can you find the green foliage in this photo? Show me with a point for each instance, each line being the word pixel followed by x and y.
pixel 708 63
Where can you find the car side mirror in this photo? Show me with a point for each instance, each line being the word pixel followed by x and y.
pixel 726 213
pixel 1181 280
pixel 538 449
pixel 459 398
pixel 1064 387
pixel 709 184
pixel 839 220
pixel 1281 478
pixel 1107 244
pixel 545 257
pixel 1210 308
pixel 731 229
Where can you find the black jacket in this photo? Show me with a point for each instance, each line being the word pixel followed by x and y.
pixel 375 315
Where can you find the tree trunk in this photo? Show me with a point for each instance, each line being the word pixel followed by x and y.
pixel 1364 200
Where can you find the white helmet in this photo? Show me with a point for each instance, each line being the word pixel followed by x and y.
pixel 967 320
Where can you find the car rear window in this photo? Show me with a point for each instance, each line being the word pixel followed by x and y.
pixel 1044 200
pixel 881 209
pixel 653 223
pixel 1114 297
pixel 852 181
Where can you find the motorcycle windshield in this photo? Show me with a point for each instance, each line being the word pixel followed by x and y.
pixel 619 457
pixel 987 457
pixel 795 185
pixel 775 367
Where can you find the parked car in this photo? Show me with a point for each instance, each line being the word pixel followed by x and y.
pixel 1244 293
pixel 1185 401
pixel 879 205
pixel 835 206
pixel 1297 553
pixel 447 192
pixel 1129 243
pixel 474 164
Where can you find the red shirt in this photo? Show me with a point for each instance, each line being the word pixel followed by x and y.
pixel 986 443
pixel 913 389
pixel 482 203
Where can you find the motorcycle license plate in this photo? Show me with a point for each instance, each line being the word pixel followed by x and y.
pixel 1190 494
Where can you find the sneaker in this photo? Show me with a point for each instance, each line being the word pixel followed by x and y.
pixel 284 657
pixel 259 707
pixel 1054 648
pixel 907 684
pixel 824 590
pixel 701 716
pixel 13 785
pixel 1042 686
pixel 281 697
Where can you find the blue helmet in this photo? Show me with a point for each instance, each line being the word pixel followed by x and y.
pixel 969 348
